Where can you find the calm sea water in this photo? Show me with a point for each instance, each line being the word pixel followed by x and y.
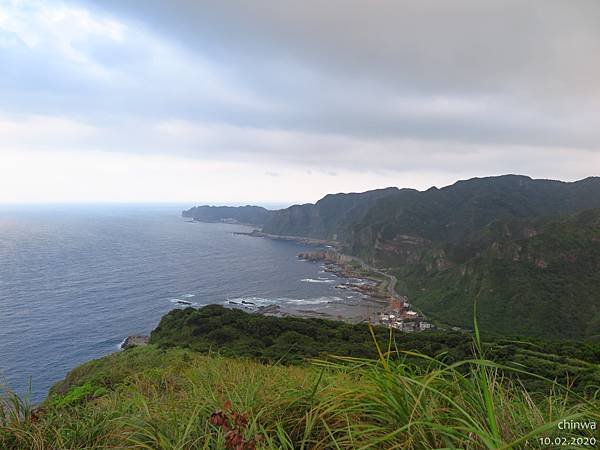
pixel 75 281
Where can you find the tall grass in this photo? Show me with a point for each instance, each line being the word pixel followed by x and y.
pixel 181 399
pixel 394 405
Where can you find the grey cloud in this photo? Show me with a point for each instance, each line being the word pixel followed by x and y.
pixel 501 39
pixel 334 65
pixel 461 46
pixel 371 85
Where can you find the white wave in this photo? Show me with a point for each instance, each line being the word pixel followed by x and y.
pixel 317 301
pixel 319 280
pixel 180 302
pixel 188 295
pixel 251 302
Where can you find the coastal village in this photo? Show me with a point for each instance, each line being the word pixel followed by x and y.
pixel 395 312
pixel 400 316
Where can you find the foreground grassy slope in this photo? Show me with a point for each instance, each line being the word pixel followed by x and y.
pixel 218 378
pixel 180 399
pixel 292 340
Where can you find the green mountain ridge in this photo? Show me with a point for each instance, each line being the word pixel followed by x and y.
pixel 330 218
pixel 510 242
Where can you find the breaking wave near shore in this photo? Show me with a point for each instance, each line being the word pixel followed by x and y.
pixel 318 280
pixel 250 302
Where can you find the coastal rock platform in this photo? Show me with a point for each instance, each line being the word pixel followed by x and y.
pixel 135 341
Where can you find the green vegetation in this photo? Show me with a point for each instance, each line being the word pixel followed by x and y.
pixel 292 340
pixel 164 396
pixel 546 285
pixel 170 399
pixel 233 332
pixel 527 250
pixel 330 218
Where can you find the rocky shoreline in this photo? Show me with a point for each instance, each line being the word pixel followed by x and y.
pixel 376 288
pixel 380 302
pixel 395 312
pixel 348 267
pixel 137 340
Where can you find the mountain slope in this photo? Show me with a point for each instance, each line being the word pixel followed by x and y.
pixel 329 218
pixel 547 284
pixel 452 245
pixel 456 214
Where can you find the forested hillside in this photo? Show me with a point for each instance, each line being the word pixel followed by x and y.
pixel 547 284
pixel 525 249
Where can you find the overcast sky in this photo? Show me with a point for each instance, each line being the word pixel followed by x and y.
pixel 276 101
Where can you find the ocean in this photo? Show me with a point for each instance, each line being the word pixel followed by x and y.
pixel 76 280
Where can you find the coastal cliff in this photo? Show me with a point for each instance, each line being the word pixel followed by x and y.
pixel 490 239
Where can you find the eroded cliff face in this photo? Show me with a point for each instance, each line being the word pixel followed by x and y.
pixel 327 256
pixel 565 241
pixel 542 242
pixel 522 252
pixel 402 249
